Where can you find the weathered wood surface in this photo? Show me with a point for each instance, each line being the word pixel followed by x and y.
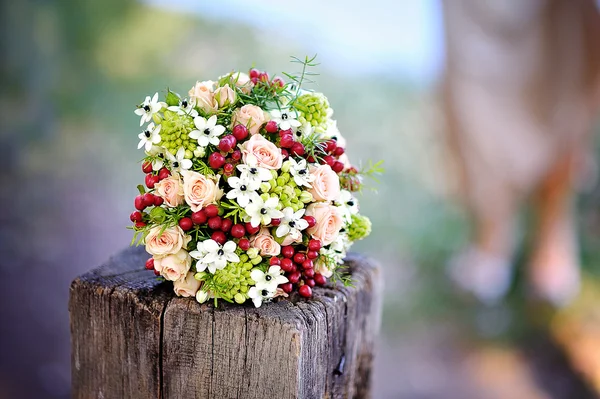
pixel 132 338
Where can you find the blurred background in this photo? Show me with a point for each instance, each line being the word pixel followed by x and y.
pixel 71 75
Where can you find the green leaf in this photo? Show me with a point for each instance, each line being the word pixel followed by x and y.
pixel 141 189
pixel 172 98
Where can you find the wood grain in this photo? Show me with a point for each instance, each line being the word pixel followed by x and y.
pixel 132 338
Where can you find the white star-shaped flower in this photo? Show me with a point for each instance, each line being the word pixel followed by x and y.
pixel 347 204
pixel 291 223
pixel 243 190
pixel 149 137
pixel 285 118
pixel 260 211
pixel 269 280
pixel 149 107
pixel 179 161
pixel 260 296
pixel 300 173
pixel 303 131
pixel 185 107
pixel 207 131
pixel 215 256
pixel 254 173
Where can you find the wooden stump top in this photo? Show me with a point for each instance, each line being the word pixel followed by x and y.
pixel 132 337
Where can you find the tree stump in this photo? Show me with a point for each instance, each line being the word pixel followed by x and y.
pixel 132 337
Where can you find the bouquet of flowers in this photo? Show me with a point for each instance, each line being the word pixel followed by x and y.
pixel 248 189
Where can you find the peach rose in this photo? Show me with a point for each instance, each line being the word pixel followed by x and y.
pixel 243 81
pixel 200 190
pixel 170 190
pixel 168 242
pixel 329 222
pixel 292 238
pixel 261 152
pixel 321 267
pixel 174 266
pixel 326 183
pixel 250 116
pixel 186 286
pixel 225 96
pixel 203 96
pixel 265 243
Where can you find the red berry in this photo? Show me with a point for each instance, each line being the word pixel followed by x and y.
pixel 219 237
pixel 299 258
pixel 244 244
pixel 312 254
pixel 310 282
pixel 225 144
pixel 151 180
pixel 147 167
pixel 254 80
pixel 298 149
pixel 307 264
pixel 148 199
pixel 287 141
pixel 330 145
pixel 185 224
pixel 284 153
pixel 211 210
pixel 287 287
pixel 228 169
pixel 139 203
pixel 240 132
pixel 285 132
pixel 236 155
pixel 150 264
pixel 214 223
pixel 277 81
pixel 338 151
pixel 294 277
pixel 337 167
pixel 252 230
pixel 314 245
pixel 329 160
pixel 156 273
pixel 139 225
pixel 311 221
pixel 199 217
pixel 287 251
pixel 320 279
pixel 305 291
pixel 271 127
pixel 216 160
pixel 226 225
pixel 163 173
pixel 274 261
pixel 237 230
pixel 158 201
pixel 263 77
pixel 287 265
pixel 136 216
pixel 311 159
pixel 254 73
pixel 275 222
pixel 310 273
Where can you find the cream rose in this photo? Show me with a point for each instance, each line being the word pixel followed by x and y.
pixel 243 81
pixel 261 152
pixel 321 267
pixel 186 286
pixel 326 183
pixel 202 94
pixel 168 242
pixel 329 222
pixel 292 238
pixel 170 190
pixel 225 96
pixel 250 116
pixel 200 190
pixel 265 243
pixel 174 266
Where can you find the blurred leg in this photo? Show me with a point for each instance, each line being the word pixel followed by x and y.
pixel 554 265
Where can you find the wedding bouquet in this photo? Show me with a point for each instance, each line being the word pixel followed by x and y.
pixel 248 189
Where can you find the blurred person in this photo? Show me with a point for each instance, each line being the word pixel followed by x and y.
pixel 521 91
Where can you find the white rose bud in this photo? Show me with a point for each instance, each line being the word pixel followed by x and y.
pixel 202 296
pixel 252 253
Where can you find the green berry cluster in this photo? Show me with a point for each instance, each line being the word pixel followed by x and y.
pixel 175 131
pixel 233 282
pixel 313 108
pixel 359 228
pixel 285 188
